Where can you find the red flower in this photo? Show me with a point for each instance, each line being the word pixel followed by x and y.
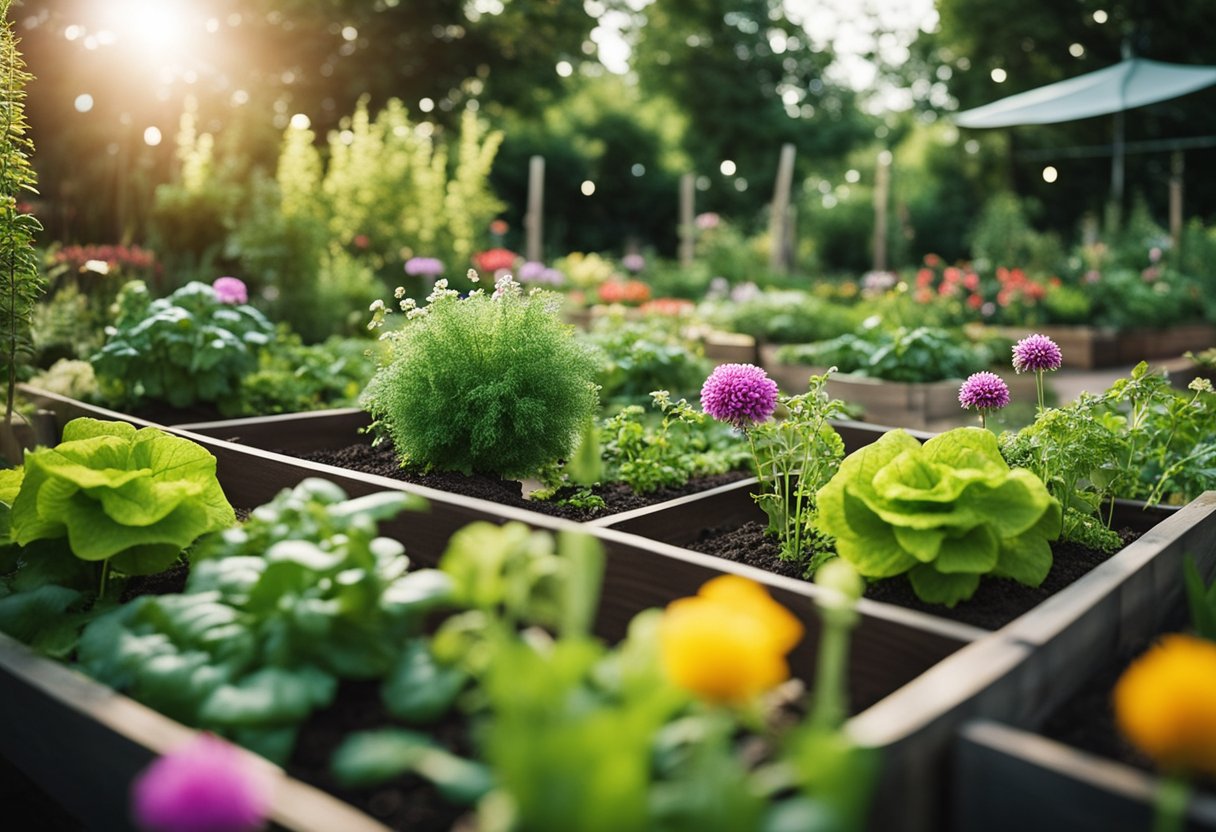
pixel 499 227
pixel 971 281
pixel 924 277
pixel 975 301
pixel 362 241
pixel 668 306
pixel 624 291
pixel 494 259
pixel 932 261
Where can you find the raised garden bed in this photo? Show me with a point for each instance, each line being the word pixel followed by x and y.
pixel 1087 347
pixel 1042 655
pixel 891 647
pixel 931 405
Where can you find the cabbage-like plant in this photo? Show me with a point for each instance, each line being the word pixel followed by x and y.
pixel 946 513
pixel 186 348
pixel 131 498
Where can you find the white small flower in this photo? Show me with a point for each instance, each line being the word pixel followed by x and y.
pixel 376 306
pixel 472 275
pixel 399 292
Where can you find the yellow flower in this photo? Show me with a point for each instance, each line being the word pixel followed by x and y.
pixel 1165 703
pixel 728 643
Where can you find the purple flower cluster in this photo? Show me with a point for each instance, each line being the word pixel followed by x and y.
pixel 206 786
pixel 1036 353
pixel 536 272
pixel 739 394
pixel 633 262
pixel 424 266
pixel 230 290
pixel 984 391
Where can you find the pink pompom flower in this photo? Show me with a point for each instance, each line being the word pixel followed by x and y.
pixel 1036 353
pixel 739 394
pixel 230 290
pixel 207 785
pixel 423 266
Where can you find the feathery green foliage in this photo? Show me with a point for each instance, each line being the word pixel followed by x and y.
pixel 20 279
pixel 493 384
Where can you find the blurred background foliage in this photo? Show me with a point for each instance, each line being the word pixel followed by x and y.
pixel 167 123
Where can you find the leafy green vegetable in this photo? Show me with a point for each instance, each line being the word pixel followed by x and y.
pixel 945 513
pixel 274 614
pixel 921 354
pixel 134 497
pixel 185 348
pixel 372 757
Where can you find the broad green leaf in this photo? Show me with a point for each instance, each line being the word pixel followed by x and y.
pixel 418 689
pixel 975 551
pixel 270 695
pixel 936 587
pixel 1026 559
pixel 23 614
pixel 372 757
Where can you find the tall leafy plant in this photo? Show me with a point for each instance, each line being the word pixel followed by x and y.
pixel 20 280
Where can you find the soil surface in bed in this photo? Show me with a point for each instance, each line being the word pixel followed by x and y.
pixel 382 461
pixel 997 601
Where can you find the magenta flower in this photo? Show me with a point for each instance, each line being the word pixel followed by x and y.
pixel 1036 353
pixel 983 391
pixel 739 394
pixel 207 785
pixel 425 266
pixel 230 290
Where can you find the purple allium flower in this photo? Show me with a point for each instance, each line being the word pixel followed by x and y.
pixel 230 290
pixel 1036 353
pixel 425 266
pixel 553 277
pixel 206 786
pixel 633 262
pixel 984 391
pixel 739 394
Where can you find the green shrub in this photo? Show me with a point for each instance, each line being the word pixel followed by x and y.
pixel 642 356
pixel 183 349
pixel 945 513
pixel 787 317
pixel 293 376
pixel 923 354
pixel 489 383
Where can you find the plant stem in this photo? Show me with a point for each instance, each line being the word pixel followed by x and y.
pixel 830 708
pixel 1038 383
pixel 105 573
pixel 1172 796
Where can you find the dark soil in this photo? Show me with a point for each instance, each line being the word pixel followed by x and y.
pixel 382 460
pixel 172 580
pixel 407 802
pixel 165 414
pixel 997 601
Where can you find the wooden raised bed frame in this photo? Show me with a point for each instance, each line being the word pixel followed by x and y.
pixel 891 647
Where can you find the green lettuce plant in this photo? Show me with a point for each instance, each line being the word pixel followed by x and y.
pixel 945 513
pixel 487 383
pixel 182 349
pixel 132 499
pixel 275 612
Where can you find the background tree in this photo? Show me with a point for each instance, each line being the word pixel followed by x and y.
pixel 748 80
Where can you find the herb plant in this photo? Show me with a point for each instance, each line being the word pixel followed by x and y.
pixel 795 456
pixel 275 612
pixel 487 383
pixel 945 513
pixel 641 356
pixel 183 349
pixel 20 279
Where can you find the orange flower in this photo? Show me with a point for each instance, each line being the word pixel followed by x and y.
pixel 728 643
pixel 1165 703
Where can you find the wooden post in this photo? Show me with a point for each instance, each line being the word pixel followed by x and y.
pixel 687 229
pixel 534 219
pixel 1177 166
pixel 778 259
pixel 882 188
